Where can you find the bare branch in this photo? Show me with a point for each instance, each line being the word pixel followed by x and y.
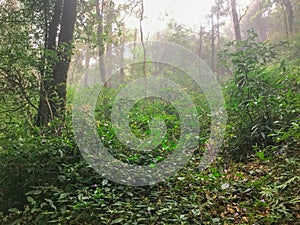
pixel 245 13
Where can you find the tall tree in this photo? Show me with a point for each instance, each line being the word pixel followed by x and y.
pixel 122 52
pixel 108 30
pixel 142 38
pixel 100 38
pixel 201 33
pixel 143 45
pixel 236 21
pixel 134 54
pixel 213 45
pixel 58 57
pixel 64 47
pixel 289 17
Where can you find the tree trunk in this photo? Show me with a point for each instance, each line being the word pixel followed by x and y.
pixel 122 71
pixel 290 15
pixel 200 41
pixel 87 64
pixel 212 42
pixel 53 28
pixel 143 45
pixel 64 54
pixel 53 84
pixel 109 42
pixel 286 25
pixel 100 35
pixel 236 22
pixel 45 112
pixel 134 51
pixel 218 40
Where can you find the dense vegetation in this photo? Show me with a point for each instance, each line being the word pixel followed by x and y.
pixel 45 180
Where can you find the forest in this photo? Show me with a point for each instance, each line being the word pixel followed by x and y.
pixel 109 118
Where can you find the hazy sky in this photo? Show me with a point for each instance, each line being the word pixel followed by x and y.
pixel 159 12
pixel 189 12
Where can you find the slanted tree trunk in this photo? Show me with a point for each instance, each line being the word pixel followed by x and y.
pixel 236 22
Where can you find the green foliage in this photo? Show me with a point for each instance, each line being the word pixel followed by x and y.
pixel 30 158
pixel 245 193
pixel 140 116
pixel 142 113
pixel 281 192
pixel 44 180
pixel 262 95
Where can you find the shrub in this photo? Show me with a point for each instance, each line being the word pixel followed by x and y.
pixel 262 95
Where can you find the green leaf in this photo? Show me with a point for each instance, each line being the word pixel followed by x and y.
pixel 50 203
pixel 31 200
pixel 104 182
pixel 14 210
pixel 119 220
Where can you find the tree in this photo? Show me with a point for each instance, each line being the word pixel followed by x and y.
pixel 100 39
pixel 213 45
pixel 142 41
pixel 288 16
pixel 54 73
pixel 236 21
pixel 255 19
pixel 201 33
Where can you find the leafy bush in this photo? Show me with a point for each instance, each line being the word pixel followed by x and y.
pixel 262 95
pixel 30 158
